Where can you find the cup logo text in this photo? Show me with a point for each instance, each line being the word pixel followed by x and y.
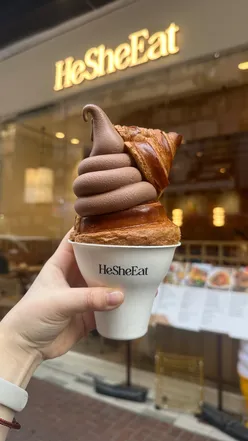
pixel 118 270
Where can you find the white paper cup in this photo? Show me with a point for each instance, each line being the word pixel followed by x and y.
pixel 137 271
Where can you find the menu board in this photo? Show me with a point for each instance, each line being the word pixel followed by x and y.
pixel 201 296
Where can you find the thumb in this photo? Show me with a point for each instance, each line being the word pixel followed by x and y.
pixel 78 300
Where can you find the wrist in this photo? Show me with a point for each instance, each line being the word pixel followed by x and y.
pixel 18 360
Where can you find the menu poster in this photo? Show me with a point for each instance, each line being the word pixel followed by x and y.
pixel 238 309
pixel 216 311
pixel 157 318
pixel 197 274
pixel 238 316
pixel 201 275
pixel 189 315
pixel 204 297
pixel 240 280
pixel 168 302
pixel 180 305
pixel 220 278
pixel 215 317
pixel 176 273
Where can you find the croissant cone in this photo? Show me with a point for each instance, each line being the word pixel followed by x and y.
pixel 142 225
pixel 119 185
pixel 153 152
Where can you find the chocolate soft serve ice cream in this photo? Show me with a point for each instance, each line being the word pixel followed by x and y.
pixel 122 237
pixel 119 185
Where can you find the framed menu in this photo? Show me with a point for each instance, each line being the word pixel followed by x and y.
pixel 205 297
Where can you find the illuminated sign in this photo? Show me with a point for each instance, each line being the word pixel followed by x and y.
pixel 101 61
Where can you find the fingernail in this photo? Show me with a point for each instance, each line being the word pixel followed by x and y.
pixel 114 298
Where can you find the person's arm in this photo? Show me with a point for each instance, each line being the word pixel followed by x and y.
pixel 16 366
pixel 54 314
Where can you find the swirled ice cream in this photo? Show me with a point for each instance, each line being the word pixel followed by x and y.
pixel 118 186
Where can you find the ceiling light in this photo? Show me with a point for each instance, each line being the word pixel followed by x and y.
pixel 243 66
pixel 177 217
pixel 59 135
pixel 222 170
pixel 219 217
pixel 75 141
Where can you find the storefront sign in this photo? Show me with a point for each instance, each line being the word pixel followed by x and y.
pixel 101 61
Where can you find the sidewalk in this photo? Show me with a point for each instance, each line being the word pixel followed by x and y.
pixel 63 406
pixel 56 414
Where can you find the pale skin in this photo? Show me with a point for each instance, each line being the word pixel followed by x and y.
pixel 54 314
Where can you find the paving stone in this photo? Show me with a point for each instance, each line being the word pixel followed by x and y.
pixel 56 414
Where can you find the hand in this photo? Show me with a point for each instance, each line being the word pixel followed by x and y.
pixel 57 310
